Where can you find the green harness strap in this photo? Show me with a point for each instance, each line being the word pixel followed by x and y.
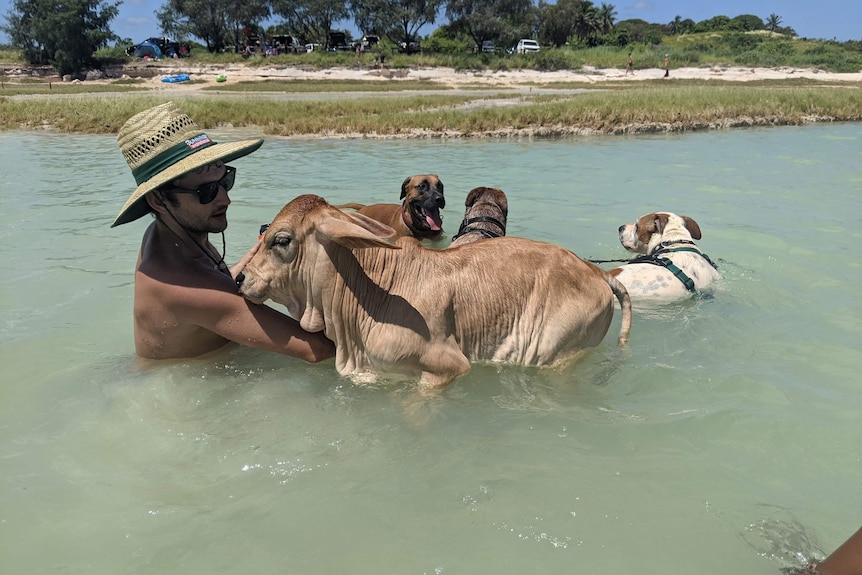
pixel 656 259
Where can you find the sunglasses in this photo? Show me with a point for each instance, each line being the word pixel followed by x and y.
pixel 207 192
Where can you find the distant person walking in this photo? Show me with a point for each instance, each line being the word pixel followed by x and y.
pixel 631 66
pixel 666 66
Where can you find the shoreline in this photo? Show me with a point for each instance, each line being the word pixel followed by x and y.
pixel 204 75
pixel 491 79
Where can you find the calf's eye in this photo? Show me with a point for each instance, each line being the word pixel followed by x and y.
pixel 281 240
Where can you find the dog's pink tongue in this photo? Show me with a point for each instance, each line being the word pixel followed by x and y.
pixel 435 222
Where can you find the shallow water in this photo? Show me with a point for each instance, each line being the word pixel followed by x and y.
pixel 725 439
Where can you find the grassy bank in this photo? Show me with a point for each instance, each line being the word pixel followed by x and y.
pixel 643 107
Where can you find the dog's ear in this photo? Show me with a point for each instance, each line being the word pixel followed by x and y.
pixel 692 227
pixel 504 202
pixel 660 223
pixel 471 197
pixel 404 187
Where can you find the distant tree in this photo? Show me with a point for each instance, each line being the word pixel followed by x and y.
pixel 587 23
pixel 398 20
pixel 676 25
pixel 503 20
pixel 746 23
pixel 311 19
pixel 556 22
pixel 686 26
pixel 173 24
pixel 444 40
pixel 62 33
pixel 619 37
pixel 641 31
pixel 246 15
pixel 714 24
pixel 606 15
pixel 773 22
pixel 208 20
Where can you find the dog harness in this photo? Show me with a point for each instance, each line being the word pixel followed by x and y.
pixel 466 229
pixel 656 259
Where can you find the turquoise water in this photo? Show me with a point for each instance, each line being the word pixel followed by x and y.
pixel 725 439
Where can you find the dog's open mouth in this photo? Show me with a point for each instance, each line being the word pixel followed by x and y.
pixel 431 216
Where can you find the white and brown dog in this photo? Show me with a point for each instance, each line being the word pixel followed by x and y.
pixel 671 265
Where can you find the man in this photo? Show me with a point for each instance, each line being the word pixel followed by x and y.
pixel 186 300
pixel 846 560
pixel 631 65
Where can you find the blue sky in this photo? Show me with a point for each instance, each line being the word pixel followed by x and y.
pixel 826 19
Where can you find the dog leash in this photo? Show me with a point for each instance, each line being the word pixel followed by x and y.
pixel 466 229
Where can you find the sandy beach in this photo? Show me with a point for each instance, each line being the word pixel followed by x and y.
pixel 470 78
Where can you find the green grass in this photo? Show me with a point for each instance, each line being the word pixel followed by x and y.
pixel 638 107
pixel 31 86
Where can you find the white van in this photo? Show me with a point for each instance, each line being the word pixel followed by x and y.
pixel 527 46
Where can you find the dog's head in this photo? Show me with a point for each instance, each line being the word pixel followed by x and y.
pixel 423 200
pixel 645 235
pixel 494 197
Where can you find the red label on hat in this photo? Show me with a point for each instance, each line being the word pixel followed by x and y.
pixel 198 141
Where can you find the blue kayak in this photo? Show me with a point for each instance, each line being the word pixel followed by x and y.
pixel 176 78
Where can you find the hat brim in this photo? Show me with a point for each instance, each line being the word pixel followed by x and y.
pixel 136 206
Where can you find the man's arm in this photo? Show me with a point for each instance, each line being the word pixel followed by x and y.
pixel 221 310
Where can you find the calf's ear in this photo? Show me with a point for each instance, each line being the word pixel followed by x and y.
pixel 377 228
pixel 358 233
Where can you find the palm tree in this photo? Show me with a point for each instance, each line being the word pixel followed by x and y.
pixel 676 25
pixel 773 22
pixel 586 21
pixel 607 14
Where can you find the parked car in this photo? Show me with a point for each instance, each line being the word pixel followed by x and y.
pixel 527 46
pixel 368 42
pixel 488 47
pixel 311 47
pixel 286 44
pixel 338 41
pixel 412 47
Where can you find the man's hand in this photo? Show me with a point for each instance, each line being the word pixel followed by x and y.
pixel 235 270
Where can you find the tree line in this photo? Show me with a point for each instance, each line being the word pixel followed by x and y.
pixel 67 33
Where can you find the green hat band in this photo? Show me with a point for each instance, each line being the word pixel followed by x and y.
pixel 171 156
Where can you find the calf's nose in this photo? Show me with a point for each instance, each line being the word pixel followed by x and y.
pixel 622 227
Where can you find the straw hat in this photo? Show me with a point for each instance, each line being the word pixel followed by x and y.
pixel 162 144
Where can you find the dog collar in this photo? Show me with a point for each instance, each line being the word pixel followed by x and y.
pixel 666 250
pixel 665 245
pixel 466 229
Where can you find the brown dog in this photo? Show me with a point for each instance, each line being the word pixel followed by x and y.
pixel 485 217
pixel 418 215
